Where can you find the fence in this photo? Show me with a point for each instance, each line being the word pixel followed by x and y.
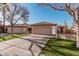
pixel 67 36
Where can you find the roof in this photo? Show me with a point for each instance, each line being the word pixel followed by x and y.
pixel 20 25
pixel 43 23
pixel 61 26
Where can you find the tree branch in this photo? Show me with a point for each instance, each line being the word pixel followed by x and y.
pixel 17 20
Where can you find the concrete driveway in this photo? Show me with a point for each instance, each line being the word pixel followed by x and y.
pixel 25 46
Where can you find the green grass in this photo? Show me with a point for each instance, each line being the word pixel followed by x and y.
pixel 9 37
pixel 60 47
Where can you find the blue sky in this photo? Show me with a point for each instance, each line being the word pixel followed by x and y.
pixel 41 13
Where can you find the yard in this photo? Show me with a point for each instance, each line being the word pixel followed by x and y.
pixel 60 47
pixel 8 37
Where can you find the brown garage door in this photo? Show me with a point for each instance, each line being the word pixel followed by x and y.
pixel 42 30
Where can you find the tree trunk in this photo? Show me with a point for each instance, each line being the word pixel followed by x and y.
pixel 77 38
pixel 11 29
pixel 4 20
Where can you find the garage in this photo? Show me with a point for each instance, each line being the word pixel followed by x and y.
pixel 44 28
pixel 18 28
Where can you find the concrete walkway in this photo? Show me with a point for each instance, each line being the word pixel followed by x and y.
pixel 22 46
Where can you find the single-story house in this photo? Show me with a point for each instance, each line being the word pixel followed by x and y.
pixel 19 28
pixel 44 28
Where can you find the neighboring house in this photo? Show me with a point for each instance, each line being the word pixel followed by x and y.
pixel 62 29
pixel 73 29
pixel 19 28
pixel 44 28
pixel 1 27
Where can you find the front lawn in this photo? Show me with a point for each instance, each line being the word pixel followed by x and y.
pixel 8 37
pixel 60 47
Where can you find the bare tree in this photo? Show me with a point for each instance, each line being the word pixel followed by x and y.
pixel 14 13
pixel 2 10
pixel 73 12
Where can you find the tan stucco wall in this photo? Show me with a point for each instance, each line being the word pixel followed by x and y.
pixel 25 30
pixel 44 30
pixel 17 30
